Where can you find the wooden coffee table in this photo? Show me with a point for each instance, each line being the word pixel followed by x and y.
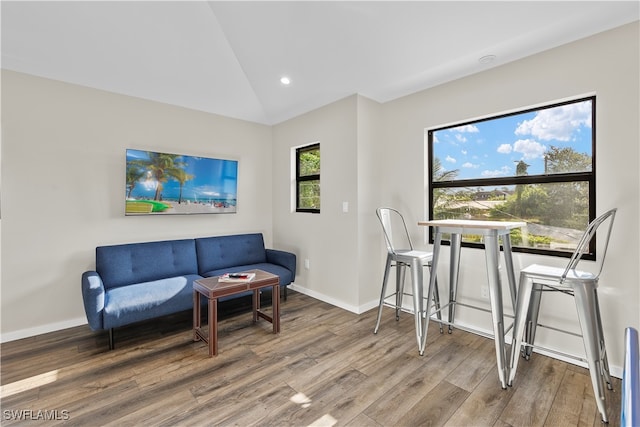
pixel 212 289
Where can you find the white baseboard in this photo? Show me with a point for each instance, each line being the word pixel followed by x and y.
pixel 329 300
pixel 38 330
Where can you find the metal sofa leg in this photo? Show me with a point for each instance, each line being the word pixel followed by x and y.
pixel 111 346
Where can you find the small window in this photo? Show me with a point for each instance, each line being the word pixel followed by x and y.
pixel 308 179
pixel 536 165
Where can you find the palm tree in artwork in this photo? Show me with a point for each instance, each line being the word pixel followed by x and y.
pixel 181 176
pixel 134 174
pixel 162 165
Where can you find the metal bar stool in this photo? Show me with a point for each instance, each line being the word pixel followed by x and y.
pixel 583 287
pixel 397 236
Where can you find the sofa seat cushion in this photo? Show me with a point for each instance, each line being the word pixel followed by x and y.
pixel 284 274
pixel 127 304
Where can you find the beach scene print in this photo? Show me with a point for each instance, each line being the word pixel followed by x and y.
pixel 165 184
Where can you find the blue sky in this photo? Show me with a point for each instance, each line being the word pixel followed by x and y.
pixel 213 179
pixel 493 148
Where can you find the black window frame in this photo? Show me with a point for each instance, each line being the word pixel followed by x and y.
pixel 588 177
pixel 300 179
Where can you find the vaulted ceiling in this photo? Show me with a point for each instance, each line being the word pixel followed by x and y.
pixel 228 57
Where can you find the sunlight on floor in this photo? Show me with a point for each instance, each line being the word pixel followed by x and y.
pixel 324 421
pixel 301 400
pixel 28 383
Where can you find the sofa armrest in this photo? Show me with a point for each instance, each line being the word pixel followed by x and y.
pixel 285 259
pixel 93 298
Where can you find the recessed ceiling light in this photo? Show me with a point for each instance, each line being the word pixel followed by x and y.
pixel 285 80
pixel 487 59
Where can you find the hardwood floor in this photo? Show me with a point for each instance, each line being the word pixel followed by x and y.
pixel 326 367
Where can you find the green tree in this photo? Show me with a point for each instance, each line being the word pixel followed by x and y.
pixel 309 190
pixel 443 198
pixel 134 174
pixel 554 204
pixel 310 162
pixel 521 170
pixel 531 203
pixel 571 200
pixel 441 174
pixel 566 160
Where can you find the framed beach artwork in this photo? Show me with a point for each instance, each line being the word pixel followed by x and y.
pixel 177 184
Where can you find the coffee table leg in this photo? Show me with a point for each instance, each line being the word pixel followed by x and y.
pixel 196 315
pixel 213 327
pixel 256 305
pixel 275 298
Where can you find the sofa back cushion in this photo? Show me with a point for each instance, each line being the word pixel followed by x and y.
pixel 122 265
pixel 219 252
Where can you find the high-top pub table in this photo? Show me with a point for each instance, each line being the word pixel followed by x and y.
pixel 491 232
pixel 212 289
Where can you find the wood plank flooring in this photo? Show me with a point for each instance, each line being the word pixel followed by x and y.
pixel 325 368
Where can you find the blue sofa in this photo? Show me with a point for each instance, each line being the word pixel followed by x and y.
pixel 140 281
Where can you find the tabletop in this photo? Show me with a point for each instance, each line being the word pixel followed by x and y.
pixel 213 288
pixel 474 223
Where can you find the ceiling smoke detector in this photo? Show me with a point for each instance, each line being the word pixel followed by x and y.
pixel 487 59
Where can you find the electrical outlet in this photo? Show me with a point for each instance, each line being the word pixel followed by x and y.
pixel 306 263
pixel 484 292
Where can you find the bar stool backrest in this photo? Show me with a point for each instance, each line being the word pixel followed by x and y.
pixel 583 244
pixel 395 230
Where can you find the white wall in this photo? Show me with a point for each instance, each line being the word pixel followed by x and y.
pixel 606 65
pixel 63 169
pixel 341 246
pixel 371 174
pixel 328 239
pixel 338 244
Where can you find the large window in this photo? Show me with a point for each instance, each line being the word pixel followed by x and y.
pixel 308 178
pixel 536 165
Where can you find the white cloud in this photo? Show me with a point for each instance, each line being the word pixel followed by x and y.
pixel 497 172
pixel 469 165
pixel 461 138
pixel 450 159
pixel 557 123
pixel 464 152
pixel 529 148
pixel 504 148
pixel 466 129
